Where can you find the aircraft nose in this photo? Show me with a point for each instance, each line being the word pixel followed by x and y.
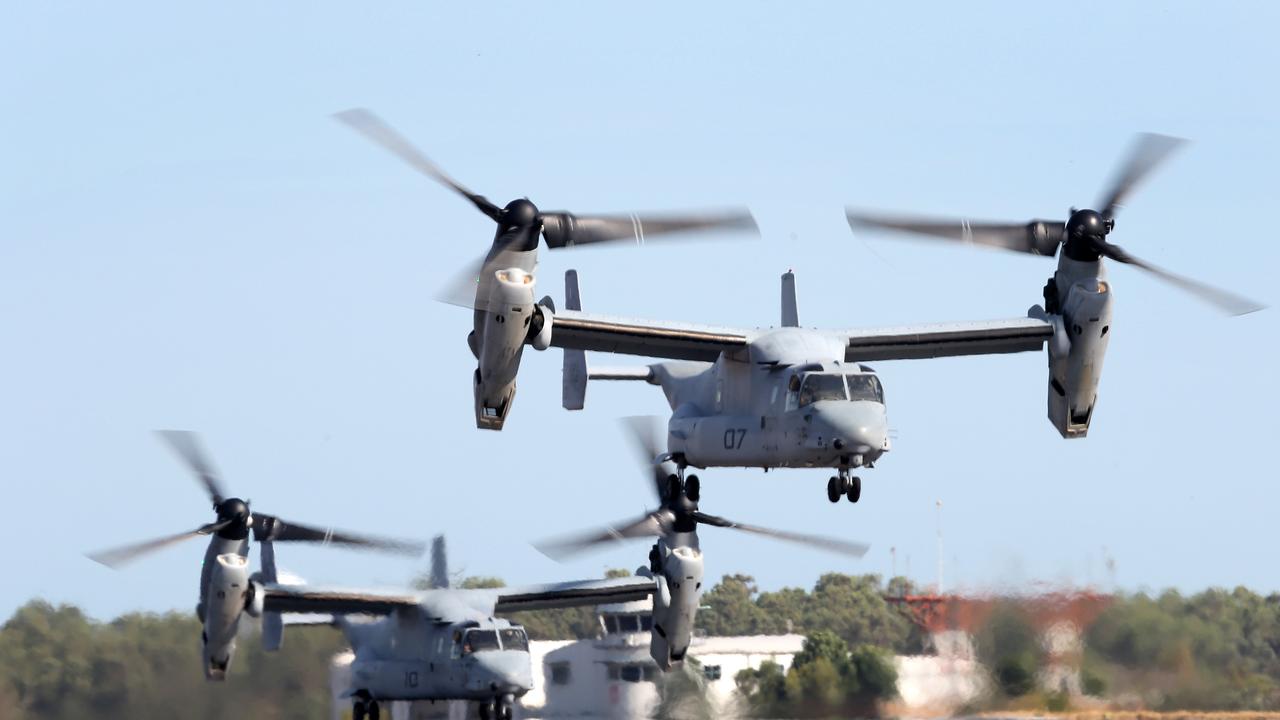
pixel 858 428
pixel 502 671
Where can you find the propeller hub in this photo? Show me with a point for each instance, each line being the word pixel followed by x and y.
pixel 1086 233
pixel 1087 223
pixel 520 213
pixel 232 509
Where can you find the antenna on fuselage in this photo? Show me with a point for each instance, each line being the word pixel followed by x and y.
pixel 790 313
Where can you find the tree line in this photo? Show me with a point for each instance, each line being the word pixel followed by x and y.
pixel 1216 649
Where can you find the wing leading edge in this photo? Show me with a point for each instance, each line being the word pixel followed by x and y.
pixel 906 342
pixel 684 341
pixel 573 594
pixel 574 329
pixel 335 601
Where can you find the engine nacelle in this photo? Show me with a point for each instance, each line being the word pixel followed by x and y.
pixel 1079 346
pixel 675 605
pixel 544 315
pixel 225 600
pixel 508 315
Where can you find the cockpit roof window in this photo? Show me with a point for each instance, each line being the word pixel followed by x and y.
pixel 821 386
pixel 479 641
pixel 865 387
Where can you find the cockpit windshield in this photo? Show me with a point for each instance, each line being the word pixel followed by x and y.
pixel 865 387
pixel 514 639
pixel 479 641
pixel 821 386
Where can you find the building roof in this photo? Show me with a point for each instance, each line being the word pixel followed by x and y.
pixel 748 644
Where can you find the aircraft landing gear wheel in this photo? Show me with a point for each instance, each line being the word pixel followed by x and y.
pixel 692 488
pixel 854 490
pixel 486 710
pixel 359 711
pixel 375 712
pixel 835 489
pixel 503 707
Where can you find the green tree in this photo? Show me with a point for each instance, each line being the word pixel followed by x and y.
pixel 816 688
pixel 825 678
pixel 1009 645
pixel 765 688
pixel 877 678
pixel 732 609
pixel 823 644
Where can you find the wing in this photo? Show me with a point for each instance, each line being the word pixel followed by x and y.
pixel 946 339
pixel 573 594
pixel 336 601
pixel 574 329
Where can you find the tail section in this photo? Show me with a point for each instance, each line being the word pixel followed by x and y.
pixel 790 313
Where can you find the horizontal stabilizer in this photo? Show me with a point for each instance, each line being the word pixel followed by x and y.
pixel 640 372
pixel 308 620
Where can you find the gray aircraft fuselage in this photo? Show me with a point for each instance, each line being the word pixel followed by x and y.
pixel 769 411
pixel 443 651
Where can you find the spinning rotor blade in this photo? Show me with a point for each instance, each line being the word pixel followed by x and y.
pixel 1038 237
pixel 116 557
pixel 1224 300
pixel 825 543
pixel 269 527
pixel 644 439
pixel 187 446
pixel 1149 150
pixel 647 526
pixel 564 229
pixel 373 128
pixel 461 288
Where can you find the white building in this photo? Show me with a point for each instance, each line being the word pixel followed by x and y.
pixel 613 675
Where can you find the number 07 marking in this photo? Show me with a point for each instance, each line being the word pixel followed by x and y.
pixel 733 438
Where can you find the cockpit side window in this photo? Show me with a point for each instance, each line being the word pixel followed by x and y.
pixel 514 638
pixel 479 641
pixel 865 387
pixel 821 386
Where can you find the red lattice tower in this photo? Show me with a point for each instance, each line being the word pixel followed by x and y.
pixel 934 613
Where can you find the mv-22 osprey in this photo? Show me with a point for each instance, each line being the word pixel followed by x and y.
pixel 437 644
pixel 790 396
pixel 224 573
pixel 798 397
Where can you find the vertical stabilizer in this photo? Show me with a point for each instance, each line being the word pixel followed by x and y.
pixel 790 315
pixel 272 622
pixel 439 564
pixel 574 389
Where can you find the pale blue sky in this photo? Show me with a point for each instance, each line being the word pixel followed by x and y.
pixel 188 240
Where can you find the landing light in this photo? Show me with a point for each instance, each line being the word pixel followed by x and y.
pixel 516 276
